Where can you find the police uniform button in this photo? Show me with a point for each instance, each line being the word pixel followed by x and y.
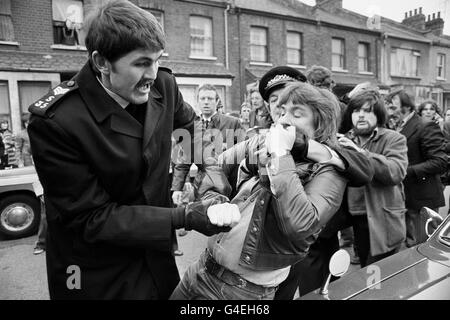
pixel 262 202
pixel 247 258
pixel 70 83
pixel 255 229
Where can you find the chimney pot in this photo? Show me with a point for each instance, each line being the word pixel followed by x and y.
pixel 429 17
pixel 434 16
pixel 415 12
pixel 439 15
pixel 420 10
pixel 406 15
pixel 410 13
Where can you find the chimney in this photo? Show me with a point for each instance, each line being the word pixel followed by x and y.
pixel 416 20
pixel 435 25
pixel 329 5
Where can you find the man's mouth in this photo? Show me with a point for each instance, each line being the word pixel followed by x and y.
pixel 144 87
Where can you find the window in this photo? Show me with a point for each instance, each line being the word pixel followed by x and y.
pixel 258 44
pixel 363 57
pixel 404 62
pixel 201 36
pixel 5 111
pixel 338 53
pixel 31 91
pixel 440 64
pixel 6 25
pixel 159 15
pixel 67 22
pixel 294 48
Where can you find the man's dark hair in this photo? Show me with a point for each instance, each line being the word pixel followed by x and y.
pixel 376 104
pixel 434 105
pixel 119 27
pixel 406 100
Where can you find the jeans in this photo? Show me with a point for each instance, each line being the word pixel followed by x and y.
pixel 42 233
pixel 199 284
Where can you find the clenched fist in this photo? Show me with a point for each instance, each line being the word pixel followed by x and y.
pixel 224 215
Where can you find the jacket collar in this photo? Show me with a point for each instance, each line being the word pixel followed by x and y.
pixel 103 106
pixel 410 126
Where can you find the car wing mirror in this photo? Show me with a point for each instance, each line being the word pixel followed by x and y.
pixel 338 266
pixel 433 220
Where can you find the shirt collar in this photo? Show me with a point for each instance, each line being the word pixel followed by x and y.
pixel 121 101
pixel 208 118
pixel 405 120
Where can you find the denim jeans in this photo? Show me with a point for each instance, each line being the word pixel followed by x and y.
pixel 199 284
pixel 42 233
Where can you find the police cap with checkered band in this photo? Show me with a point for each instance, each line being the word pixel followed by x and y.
pixel 278 77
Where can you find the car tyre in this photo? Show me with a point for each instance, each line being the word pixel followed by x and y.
pixel 19 215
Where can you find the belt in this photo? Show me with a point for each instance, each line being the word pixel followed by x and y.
pixel 233 279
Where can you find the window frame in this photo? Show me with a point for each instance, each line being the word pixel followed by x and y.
pixel 299 49
pixel 264 46
pixel 205 53
pixel 441 66
pixel 58 28
pixel 366 47
pixel 341 55
pixel 413 67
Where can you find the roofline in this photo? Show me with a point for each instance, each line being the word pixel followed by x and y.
pixel 308 21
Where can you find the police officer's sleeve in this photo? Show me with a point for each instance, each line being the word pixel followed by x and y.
pixel 75 196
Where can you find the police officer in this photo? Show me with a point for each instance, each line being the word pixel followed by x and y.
pixel 101 146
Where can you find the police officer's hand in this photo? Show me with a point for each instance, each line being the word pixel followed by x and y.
pixel 177 197
pixel 198 215
pixel 280 140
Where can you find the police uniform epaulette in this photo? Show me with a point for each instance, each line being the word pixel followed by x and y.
pixel 43 105
pixel 165 69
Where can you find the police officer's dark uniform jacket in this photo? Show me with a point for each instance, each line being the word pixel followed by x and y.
pixel 105 178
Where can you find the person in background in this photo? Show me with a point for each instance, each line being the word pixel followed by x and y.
pixel 429 110
pixel 215 129
pixel 260 115
pixel 10 158
pixel 244 115
pixel 23 144
pixel 427 160
pixel 378 208
pixel 447 116
pixel 2 152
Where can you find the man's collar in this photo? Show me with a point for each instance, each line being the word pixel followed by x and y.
pixel 121 101
pixel 208 118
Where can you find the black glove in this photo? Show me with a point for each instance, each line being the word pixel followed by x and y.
pixel 194 217
pixel 300 149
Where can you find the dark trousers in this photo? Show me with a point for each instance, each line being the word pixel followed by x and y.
pixel 415 227
pixel 362 241
pixel 311 272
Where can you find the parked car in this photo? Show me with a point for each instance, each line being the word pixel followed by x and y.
pixel 418 273
pixel 19 202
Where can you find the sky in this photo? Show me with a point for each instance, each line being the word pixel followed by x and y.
pixel 395 9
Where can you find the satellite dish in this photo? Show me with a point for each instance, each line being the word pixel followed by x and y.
pixel 374 22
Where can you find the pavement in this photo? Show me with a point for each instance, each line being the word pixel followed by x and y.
pixel 23 275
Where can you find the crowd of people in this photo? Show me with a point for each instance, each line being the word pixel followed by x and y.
pixel 272 190
pixel 15 150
